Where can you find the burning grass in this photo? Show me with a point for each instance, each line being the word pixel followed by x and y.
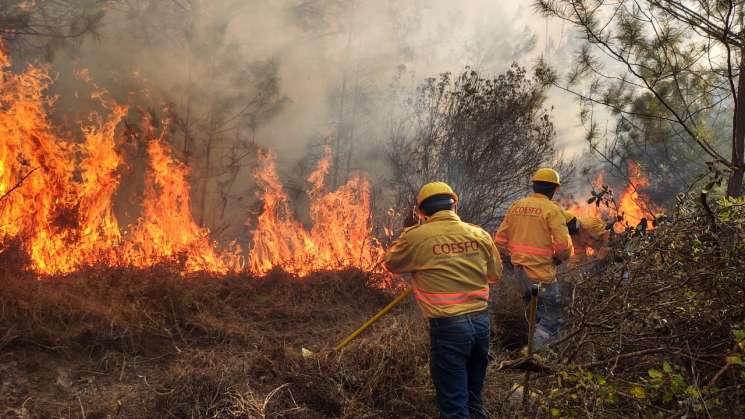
pixel 631 209
pixel 58 183
pixel 659 329
pixel 151 343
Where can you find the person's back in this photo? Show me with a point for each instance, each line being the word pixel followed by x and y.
pixel 452 263
pixel 534 233
pixel 592 236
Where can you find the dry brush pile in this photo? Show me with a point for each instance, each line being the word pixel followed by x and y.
pixel 660 330
pixel 152 343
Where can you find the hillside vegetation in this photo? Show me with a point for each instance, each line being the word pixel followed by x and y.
pixel 658 332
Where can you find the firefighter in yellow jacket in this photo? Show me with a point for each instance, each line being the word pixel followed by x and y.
pixel 452 264
pixel 535 236
pixel 589 235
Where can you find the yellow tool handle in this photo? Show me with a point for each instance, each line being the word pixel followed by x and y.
pixel 403 294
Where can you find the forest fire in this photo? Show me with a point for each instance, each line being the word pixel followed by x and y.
pixel 341 235
pixel 56 199
pixel 42 204
pixel 167 228
pixel 630 208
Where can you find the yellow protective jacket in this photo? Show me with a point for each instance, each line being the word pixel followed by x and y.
pixel 451 262
pixel 592 235
pixel 534 233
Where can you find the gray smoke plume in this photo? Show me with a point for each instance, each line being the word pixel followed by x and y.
pixel 292 74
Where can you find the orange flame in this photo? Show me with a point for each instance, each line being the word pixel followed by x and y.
pixel 58 220
pixel 56 198
pixel 99 228
pixel 341 235
pixel 64 223
pixel 632 207
pixel 167 229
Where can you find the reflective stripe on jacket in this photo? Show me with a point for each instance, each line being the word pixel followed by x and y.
pixel 592 235
pixel 451 262
pixel 534 232
pixel 445 298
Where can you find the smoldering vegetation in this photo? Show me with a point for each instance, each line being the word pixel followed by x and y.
pixel 656 331
pixel 642 337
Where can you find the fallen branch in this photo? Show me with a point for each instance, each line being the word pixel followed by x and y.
pixel 620 357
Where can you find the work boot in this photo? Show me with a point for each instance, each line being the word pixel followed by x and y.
pixel 541 337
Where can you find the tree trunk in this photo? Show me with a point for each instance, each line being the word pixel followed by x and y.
pixel 734 185
pixel 355 99
pixel 339 132
pixel 206 176
pixel 187 128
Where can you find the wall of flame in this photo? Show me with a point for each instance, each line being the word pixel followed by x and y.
pixel 57 200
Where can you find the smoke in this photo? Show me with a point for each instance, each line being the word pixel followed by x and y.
pixel 291 74
pixel 327 47
pixel 316 44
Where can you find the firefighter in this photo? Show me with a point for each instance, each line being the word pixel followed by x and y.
pixel 452 264
pixel 535 236
pixel 589 237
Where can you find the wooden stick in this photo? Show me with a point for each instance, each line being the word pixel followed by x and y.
pixel 18 184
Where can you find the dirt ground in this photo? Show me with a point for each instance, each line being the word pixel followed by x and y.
pixel 121 344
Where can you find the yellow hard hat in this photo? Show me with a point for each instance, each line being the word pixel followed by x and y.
pixel 546 174
pixel 434 188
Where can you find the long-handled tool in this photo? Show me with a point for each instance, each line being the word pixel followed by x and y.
pixel 400 297
pixel 531 332
pixel 526 362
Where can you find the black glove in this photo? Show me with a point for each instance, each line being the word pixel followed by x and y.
pixel 558 261
pixel 573 227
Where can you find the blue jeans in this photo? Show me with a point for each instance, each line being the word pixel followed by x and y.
pixel 459 354
pixel 549 317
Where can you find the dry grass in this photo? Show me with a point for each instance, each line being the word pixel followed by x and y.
pixel 126 343
pixel 654 333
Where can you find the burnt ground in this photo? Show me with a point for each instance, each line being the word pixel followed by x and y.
pixel 124 343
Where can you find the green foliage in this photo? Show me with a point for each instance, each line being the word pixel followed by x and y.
pixel 669 385
pixel 657 69
pixel 581 392
pixel 732 209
